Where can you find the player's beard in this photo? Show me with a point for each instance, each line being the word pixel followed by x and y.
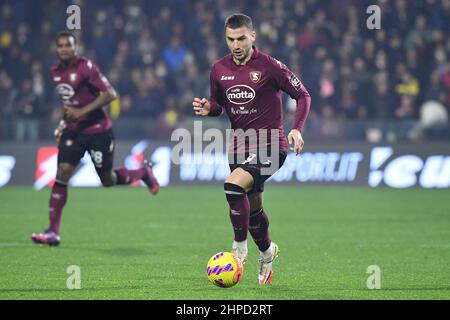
pixel 66 58
pixel 243 57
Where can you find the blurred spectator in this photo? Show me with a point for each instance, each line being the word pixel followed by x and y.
pixel 406 108
pixel 7 95
pixel 327 82
pixel 380 100
pixel 445 80
pixel 408 84
pixel 26 110
pixel 146 102
pixel 175 54
pixel 419 34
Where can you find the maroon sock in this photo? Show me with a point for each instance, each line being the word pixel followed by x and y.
pixel 58 199
pixel 259 229
pixel 126 176
pixel 239 210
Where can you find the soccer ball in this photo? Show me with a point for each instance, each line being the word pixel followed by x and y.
pixel 224 269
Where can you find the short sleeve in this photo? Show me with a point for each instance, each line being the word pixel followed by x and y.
pixel 95 78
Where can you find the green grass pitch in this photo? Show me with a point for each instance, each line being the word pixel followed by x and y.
pixel 130 245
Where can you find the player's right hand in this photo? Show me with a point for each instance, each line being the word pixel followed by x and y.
pixel 202 107
pixel 59 130
pixel 295 138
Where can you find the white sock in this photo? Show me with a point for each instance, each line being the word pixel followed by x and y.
pixel 269 252
pixel 241 245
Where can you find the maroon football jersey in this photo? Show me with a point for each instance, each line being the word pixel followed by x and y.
pixel 79 84
pixel 251 94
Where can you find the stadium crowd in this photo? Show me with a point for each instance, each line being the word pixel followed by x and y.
pixel 158 54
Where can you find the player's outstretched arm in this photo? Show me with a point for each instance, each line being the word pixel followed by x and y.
pixel 202 107
pixel 104 98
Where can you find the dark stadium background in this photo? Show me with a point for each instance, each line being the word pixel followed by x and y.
pixel 370 187
pixel 158 55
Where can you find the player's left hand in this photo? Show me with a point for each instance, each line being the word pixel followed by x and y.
pixel 295 138
pixel 72 113
pixel 59 130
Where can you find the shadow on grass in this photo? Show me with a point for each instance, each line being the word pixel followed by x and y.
pixel 325 289
pixel 124 252
pixel 82 290
pixel 118 252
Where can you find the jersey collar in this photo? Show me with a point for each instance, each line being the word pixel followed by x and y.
pixel 72 63
pixel 255 55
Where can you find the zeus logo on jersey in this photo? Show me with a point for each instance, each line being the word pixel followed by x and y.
pixel 227 78
pixel 65 91
pixel 240 94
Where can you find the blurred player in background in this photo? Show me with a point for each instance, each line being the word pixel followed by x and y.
pixel 247 84
pixel 85 127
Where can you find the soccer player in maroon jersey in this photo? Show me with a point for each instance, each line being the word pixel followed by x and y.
pixel 247 85
pixel 84 91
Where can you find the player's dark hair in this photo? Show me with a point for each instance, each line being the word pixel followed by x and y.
pixel 66 34
pixel 238 20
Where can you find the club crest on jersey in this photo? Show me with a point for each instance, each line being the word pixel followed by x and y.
pixel 255 76
pixel 73 77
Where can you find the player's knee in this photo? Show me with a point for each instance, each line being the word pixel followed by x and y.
pixel 64 172
pixel 233 192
